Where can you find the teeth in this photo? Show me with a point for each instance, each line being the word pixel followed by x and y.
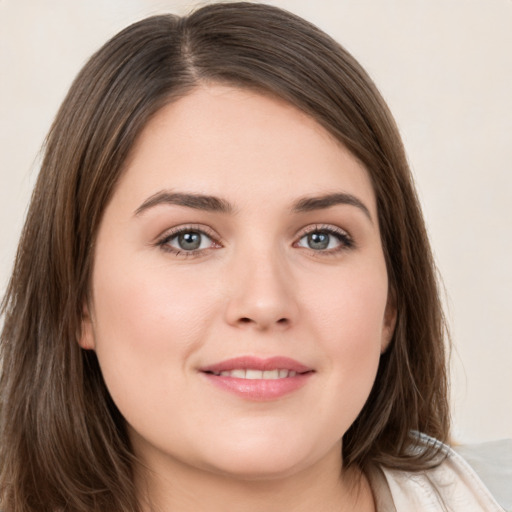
pixel 251 374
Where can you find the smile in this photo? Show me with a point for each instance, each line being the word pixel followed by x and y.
pixel 257 379
pixel 251 374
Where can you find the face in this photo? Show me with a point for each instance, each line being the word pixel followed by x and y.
pixel 239 300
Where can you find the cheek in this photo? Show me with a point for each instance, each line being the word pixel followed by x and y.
pixel 145 326
pixel 348 309
pixel 145 308
pixel 348 319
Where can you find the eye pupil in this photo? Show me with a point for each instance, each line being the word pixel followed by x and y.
pixel 318 240
pixel 189 241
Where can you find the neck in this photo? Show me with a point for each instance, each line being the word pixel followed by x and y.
pixel 324 487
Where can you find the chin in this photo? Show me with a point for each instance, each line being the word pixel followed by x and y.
pixel 258 468
pixel 264 460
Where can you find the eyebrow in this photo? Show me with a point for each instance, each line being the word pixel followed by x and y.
pixel 216 204
pixel 308 204
pixel 196 201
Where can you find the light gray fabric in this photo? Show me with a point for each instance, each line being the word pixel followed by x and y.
pixel 492 461
pixel 452 486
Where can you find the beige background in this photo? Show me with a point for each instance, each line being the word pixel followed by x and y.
pixel 444 66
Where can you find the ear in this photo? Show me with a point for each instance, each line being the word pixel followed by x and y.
pixel 388 327
pixel 86 335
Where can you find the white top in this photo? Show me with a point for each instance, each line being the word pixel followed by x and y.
pixel 453 486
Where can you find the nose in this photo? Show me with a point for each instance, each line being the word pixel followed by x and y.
pixel 262 293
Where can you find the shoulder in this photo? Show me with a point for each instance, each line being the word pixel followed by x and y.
pixel 453 485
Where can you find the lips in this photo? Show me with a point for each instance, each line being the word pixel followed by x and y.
pixel 252 374
pixel 258 379
pixel 256 363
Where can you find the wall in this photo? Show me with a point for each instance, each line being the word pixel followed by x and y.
pixel 445 67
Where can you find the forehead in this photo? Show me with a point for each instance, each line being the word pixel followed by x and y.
pixel 228 141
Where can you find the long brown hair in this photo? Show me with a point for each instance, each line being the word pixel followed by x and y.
pixel 63 443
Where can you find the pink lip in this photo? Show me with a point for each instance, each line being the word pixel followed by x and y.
pixel 257 363
pixel 258 389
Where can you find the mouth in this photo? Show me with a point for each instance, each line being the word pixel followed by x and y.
pixel 253 374
pixel 258 379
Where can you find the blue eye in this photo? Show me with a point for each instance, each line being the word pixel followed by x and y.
pixel 187 240
pixel 325 240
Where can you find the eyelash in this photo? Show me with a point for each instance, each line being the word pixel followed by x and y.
pixel 345 240
pixel 163 243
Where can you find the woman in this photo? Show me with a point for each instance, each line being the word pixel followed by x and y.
pixel 224 297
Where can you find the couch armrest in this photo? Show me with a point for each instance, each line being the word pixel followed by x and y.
pixel 492 461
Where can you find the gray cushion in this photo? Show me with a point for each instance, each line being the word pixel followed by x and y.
pixel 493 463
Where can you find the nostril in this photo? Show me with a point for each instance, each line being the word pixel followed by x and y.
pixel 247 320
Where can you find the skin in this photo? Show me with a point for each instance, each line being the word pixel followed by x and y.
pixel 254 287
